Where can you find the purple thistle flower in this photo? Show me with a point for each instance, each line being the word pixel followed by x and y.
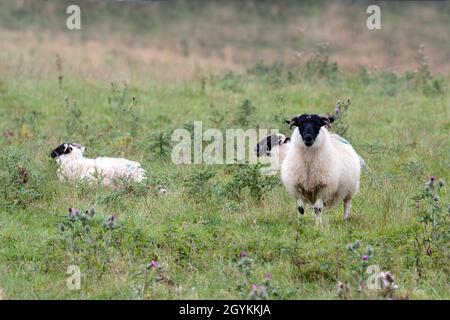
pixel 110 222
pixel 73 214
pixel 365 257
pixel 74 211
pixel 243 254
pixel 432 178
pixel 153 264
pixel 254 287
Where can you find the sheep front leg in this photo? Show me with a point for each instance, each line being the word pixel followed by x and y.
pixel 318 207
pixel 301 206
pixel 347 206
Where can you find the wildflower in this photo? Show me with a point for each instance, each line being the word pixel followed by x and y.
pixel 243 254
pixel 365 257
pixel 369 251
pixel 153 264
pixel 258 292
pixel 110 223
pixel 85 216
pixel 73 214
pixel 387 281
pixel 343 290
pixel 91 211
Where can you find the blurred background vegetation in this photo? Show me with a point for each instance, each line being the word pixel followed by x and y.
pixel 173 40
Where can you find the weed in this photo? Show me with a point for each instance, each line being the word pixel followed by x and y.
pixel 248 177
pixel 90 240
pixel 160 144
pixel 432 226
pixel 18 179
pixel 245 112
pixel 197 184
pixel 340 124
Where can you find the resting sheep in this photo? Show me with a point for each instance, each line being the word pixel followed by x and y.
pixel 107 171
pixel 320 168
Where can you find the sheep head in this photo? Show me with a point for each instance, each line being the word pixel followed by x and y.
pixel 68 148
pixel 309 126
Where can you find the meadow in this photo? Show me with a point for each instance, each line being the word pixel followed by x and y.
pixel 221 231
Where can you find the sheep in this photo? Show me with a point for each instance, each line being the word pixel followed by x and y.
pixel 320 168
pixel 275 147
pixel 108 171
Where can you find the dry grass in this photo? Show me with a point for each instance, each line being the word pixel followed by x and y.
pixel 223 37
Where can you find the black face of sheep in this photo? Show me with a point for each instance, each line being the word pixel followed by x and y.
pixel 309 126
pixel 64 148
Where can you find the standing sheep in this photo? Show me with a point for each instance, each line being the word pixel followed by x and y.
pixel 74 166
pixel 320 168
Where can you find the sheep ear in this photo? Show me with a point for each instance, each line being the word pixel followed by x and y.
pixel 327 121
pixel 65 145
pixel 293 122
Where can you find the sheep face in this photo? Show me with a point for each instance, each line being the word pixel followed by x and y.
pixel 309 127
pixel 265 145
pixel 75 150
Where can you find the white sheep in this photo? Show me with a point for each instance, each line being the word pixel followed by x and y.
pixel 275 147
pixel 108 171
pixel 320 168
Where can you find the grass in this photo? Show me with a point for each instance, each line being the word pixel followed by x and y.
pixel 122 85
pixel 198 230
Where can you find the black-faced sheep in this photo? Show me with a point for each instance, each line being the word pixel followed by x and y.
pixel 320 168
pixel 275 147
pixel 74 166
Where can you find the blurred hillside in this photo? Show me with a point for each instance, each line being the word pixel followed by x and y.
pixel 180 39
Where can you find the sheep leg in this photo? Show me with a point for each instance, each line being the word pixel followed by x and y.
pixel 318 207
pixel 301 206
pixel 347 206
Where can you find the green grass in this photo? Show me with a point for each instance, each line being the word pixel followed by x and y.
pixel 199 229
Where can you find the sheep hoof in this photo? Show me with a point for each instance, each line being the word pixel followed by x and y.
pixel 301 210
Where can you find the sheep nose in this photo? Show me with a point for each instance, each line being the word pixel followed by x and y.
pixel 308 138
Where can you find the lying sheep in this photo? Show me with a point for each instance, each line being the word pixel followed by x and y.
pixel 108 171
pixel 320 168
